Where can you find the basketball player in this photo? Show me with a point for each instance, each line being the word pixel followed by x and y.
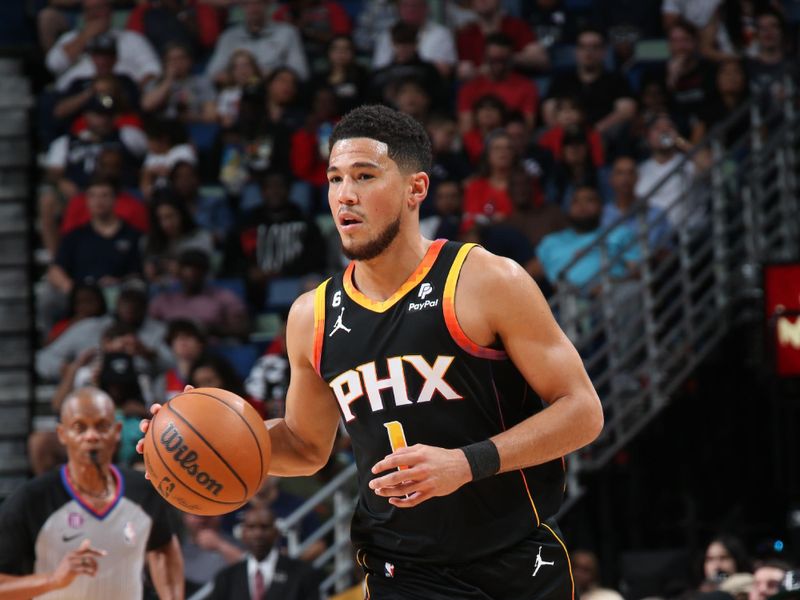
pixel 84 530
pixel 458 389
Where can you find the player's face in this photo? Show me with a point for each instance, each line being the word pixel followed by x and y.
pixel 369 196
pixel 87 426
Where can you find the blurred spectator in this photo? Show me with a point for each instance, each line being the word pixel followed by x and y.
pixel 179 94
pixel 105 250
pixel 344 75
pixel 91 499
pixel 413 99
pixel 188 343
pixel 242 71
pixel 605 95
pixel 488 114
pixel 557 250
pixel 310 148
pixel 533 220
pixel 537 162
pixel 218 310
pixel 445 222
pixel 173 230
pixel 697 12
pixel 211 370
pixel 724 556
pixel 571 115
pixel 126 206
pixel 69 60
pixel 167 145
pixel 551 22
pixel 472 38
pixel 273 44
pixel 276 240
pixel 486 197
pixel 449 160
pixel 54 19
pixel 206 549
pixel 770 64
pixel 72 101
pixel 575 169
pixel 208 206
pixel 689 78
pixel 587 577
pixel 517 92
pixel 131 310
pixel 282 87
pixel 318 22
pixel 737 585
pixel 435 42
pixel 190 23
pixel 265 573
pixel 667 152
pixel 767 579
pixel 86 300
pixel 730 92
pixel 622 205
pixel 374 19
pixel 268 379
pixel 72 158
pixel 458 14
pixel 405 64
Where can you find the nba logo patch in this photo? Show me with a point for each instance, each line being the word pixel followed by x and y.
pixel 129 534
pixel 75 520
pixel 388 569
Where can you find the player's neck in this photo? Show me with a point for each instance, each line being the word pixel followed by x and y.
pixel 381 276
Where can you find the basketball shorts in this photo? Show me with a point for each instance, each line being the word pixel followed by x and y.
pixel 537 568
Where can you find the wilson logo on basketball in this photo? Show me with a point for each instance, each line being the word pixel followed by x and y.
pixel 172 441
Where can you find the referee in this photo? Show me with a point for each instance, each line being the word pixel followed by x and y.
pixel 83 531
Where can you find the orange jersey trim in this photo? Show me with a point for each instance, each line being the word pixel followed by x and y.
pixel 566 553
pixel 449 309
pixel 319 323
pixel 414 279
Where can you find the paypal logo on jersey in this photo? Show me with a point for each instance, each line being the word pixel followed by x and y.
pixel 424 290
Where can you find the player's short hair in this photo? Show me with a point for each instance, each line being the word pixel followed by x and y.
pixel 407 141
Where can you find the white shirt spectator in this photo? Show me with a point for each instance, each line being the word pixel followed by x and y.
pixel 176 154
pixel 435 44
pixel 696 12
pixel 135 58
pixel 276 45
pixel 131 137
pixel 675 190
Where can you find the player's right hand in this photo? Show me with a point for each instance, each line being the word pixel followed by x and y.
pixel 82 561
pixel 145 423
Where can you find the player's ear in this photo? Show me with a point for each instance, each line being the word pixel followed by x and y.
pixel 420 182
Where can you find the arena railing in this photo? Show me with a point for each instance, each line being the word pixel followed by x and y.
pixel 642 335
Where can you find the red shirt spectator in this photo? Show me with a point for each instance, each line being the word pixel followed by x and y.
pixel 471 39
pixel 127 207
pixel 518 93
pixel 483 199
pixel 553 140
pixel 306 159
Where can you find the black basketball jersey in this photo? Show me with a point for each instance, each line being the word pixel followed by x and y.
pixel 403 369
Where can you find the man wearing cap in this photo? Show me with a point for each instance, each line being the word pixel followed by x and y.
pixel 69 59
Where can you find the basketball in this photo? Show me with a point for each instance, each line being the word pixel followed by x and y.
pixel 207 451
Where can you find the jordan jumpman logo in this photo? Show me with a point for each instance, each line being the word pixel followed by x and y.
pixel 540 563
pixel 339 325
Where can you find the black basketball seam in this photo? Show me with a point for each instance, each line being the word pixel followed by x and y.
pixel 205 441
pixel 177 478
pixel 255 438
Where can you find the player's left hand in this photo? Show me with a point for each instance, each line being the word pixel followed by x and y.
pixel 425 472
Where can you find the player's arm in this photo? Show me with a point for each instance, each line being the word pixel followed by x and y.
pixel 166 570
pixel 302 441
pixel 82 561
pixel 497 299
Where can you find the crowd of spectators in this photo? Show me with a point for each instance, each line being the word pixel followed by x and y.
pixel 183 147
